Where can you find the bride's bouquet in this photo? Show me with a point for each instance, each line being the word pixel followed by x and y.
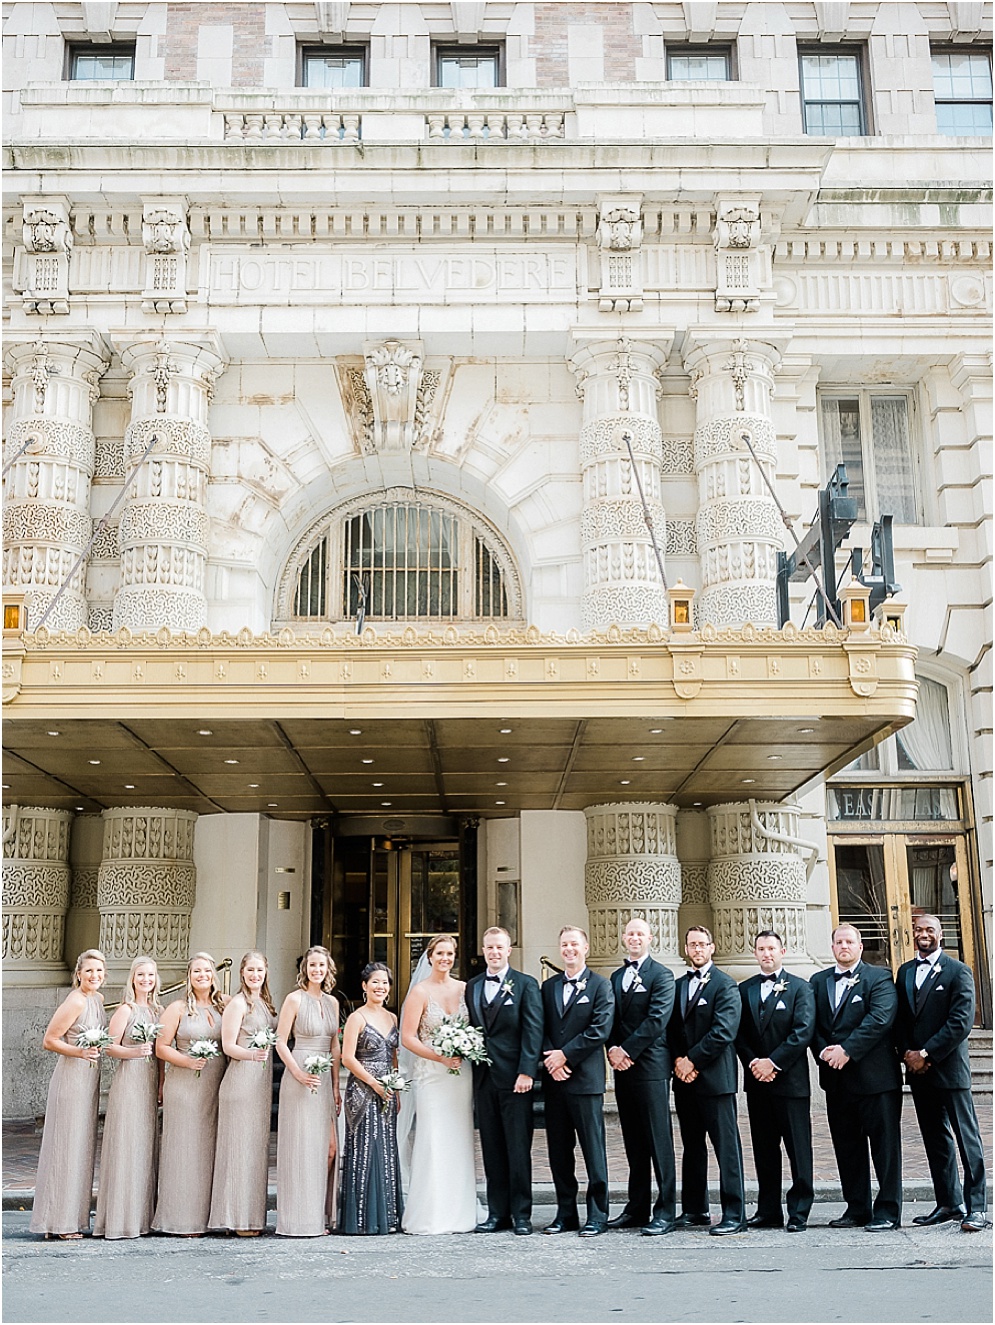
pixel 204 1051
pixel 394 1083
pixel 94 1038
pixel 145 1032
pixel 456 1038
pixel 262 1039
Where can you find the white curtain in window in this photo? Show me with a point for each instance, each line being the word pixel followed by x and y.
pixel 893 474
pixel 927 741
pixel 841 445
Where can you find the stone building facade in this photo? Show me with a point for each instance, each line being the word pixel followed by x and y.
pixel 405 409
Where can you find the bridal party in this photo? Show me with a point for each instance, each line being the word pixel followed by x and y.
pixel 185 1143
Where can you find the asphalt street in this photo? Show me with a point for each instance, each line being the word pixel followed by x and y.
pixel 825 1275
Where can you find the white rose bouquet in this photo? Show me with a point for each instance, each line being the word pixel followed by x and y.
pixel 317 1065
pixel 204 1050
pixel 262 1039
pixel 145 1032
pixel 95 1038
pixel 456 1038
pixel 394 1083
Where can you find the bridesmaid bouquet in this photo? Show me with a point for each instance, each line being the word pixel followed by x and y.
pixel 205 1050
pixel 144 1032
pixel 456 1038
pixel 263 1039
pixel 394 1084
pixel 95 1038
pixel 317 1065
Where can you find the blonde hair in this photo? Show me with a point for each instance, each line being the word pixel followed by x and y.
pixel 328 984
pixel 216 997
pixel 91 954
pixel 264 993
pixel 436 940
pixel 129 994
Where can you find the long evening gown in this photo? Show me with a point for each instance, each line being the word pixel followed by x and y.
pixel 304 1130
pixel 64 1185
pixel 371 1188
pixel 241 1161
pixel 189 1131
pixel 443 1190
pixel 130 1151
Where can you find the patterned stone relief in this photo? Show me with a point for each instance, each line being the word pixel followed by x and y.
pixel 619 235
pixel 48 243
pixel 632 870
pixel 682 538
pixel 393 374
pixel 35 889
pixel 738 260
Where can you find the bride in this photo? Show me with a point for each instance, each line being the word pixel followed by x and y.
pixel 442 1187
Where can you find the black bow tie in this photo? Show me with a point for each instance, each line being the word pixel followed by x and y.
pixel 842 975
pixel 769 979
pixel 495 978
pixel 570 979
pixel 632 961
pixel 923 961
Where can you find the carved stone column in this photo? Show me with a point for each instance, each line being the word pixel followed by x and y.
pixel 738 527
pixel 83 917
pixel 46 517
pixel 632 870
pixel 693 848
pixel 164 524
pixel 618 385
pixel 35 893
pixel 755 882
pixel 146 887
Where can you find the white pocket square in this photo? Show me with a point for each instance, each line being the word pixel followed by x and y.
pixel 938 988
pixel 702 1003
pixel 779 1004
pixel 856 999
pixel 585 999
pixel 638 991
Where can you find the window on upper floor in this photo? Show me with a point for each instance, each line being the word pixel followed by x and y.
pixel 924 746
pixel 705 63
pixel 332 66
pixel 832 88
pixel 93 63
pixel 871 433
pixel 962 88
pixel 469 66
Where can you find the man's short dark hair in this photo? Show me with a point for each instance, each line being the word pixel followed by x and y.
pixel 769 934
pixel 698 929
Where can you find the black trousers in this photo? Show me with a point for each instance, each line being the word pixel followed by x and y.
pixel 648 1137
pixel 775 1119
pixel 712 1117
pixel 506 1128
pixel 858 1123
pixel 570 1118
pixel 943 1115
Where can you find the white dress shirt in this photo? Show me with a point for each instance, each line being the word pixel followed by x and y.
pixel 491 990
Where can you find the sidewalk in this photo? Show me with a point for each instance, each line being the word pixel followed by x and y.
pixel 21 1143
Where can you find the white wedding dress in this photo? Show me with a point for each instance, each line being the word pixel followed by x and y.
pixel 442 1189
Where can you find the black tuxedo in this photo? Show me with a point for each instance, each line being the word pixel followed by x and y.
pixel 642 1091
pixel 512 1026
pixel 864 1098
pixel 780 1028
pixel 575 1107
pixel 703 1029
pixel 938 1019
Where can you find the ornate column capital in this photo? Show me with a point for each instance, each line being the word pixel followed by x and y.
pixel 620 375
pixel 172 374
pixel 33 364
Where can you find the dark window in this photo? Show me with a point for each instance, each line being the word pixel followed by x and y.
pixel 468 66
pixel 832 93
pixel 962 86
pixel 333 66
pixel 100 63
pixel 699 63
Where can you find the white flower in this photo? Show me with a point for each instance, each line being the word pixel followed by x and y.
pixel 780 987
pixel 94 1038
pixel 204 1050
pixel 317 1065
pixel 262 1039
pixel 851 982
pixel 704 979
pixel 456 1038
pixel 507 988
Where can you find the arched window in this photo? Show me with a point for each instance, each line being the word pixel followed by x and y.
pixel 401 559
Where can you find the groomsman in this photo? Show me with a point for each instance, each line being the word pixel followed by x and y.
pixel 577 1013
pixel 775 1031
pixel 855 1008
pixel 638 1052
pixel 935 1016
pixel 507 1006
pixel 702 1034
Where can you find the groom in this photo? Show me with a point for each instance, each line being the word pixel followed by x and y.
pixel 507 1006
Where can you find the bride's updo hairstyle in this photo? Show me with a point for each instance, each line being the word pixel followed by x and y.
pixel 328 984
pixel 371 968
pixel 434 942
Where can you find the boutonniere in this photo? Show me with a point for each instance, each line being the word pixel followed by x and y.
pixel 637 981
pixel 704 979
pixel 851 982
pixel 780 987
pixel 507 987
pixel 580 986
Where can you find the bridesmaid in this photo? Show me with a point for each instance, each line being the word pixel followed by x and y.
pixel 128 1157
pixel 189 1103
pixel 64 1185
pixel 305 1142
pixel 241 1162
pixel 371 1188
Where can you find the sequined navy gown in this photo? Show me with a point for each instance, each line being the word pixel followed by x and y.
pixel 371 1187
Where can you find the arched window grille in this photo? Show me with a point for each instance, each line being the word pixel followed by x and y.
pixel 408 560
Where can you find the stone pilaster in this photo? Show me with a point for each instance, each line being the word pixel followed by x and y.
pixel 46 517
pixel 693 848
pixel 739 530
pixel 618 384
pixel 164 524
pixel 35 893
pixel 83 917
pixel 146 887
pixel 632 870
pixel 755 882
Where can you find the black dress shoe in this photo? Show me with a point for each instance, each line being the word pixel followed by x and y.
pixel 493 1225
pixel 692 1221
pixel 625 1220
pixel 591 1230
pixel 764 1221
pixel 974 1223
pixel 941 1214
pixel 656 1228
pixel 796 1224
pixel 562 1225
pixel 882 1225
pixel 521 1227
pixel 728 1226
pixel 847 1221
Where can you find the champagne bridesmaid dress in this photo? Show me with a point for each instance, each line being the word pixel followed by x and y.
pixel 64 1185
pixel 130 1150
pixel 241 1161
pixel 305 1128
